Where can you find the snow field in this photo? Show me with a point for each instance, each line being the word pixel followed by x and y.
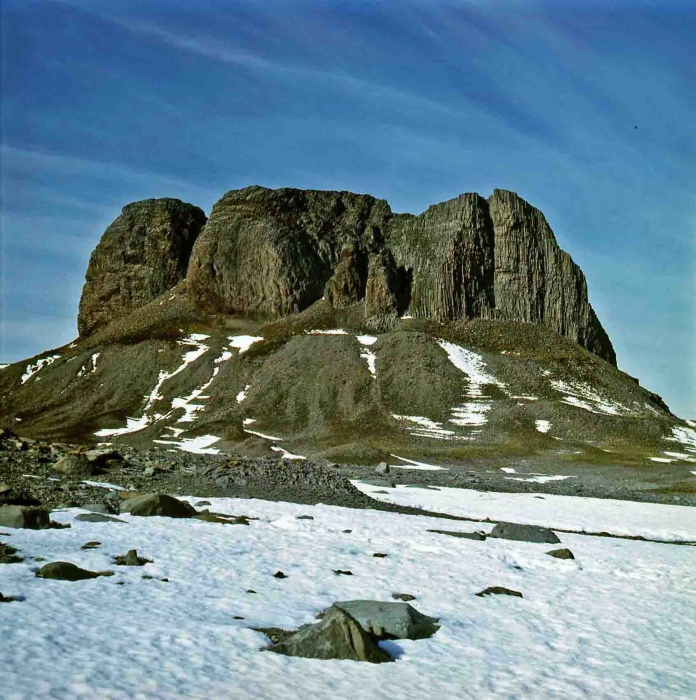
pixel 616 623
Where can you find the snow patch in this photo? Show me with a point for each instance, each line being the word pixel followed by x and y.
pixel 286 454
pixel 429 428
pixel 664 460
pixel 412 464
pixel 200 445
pixel 330 331
pixel 543 426
pixel 541 478
pixel 38 366
pixel 366 339
pixel 685 436
pixel 243 394
pixel 243 342
pixel 262 435
pixel 583 396
pixel 371 360
pixel 4 366
pixel 134 425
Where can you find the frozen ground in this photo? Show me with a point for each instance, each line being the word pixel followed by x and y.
pixel 615 623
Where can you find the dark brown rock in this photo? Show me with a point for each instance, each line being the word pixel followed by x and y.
pixel 563 553
pixel 142 254
pixel 158 504
pixel 536 281
pixel 499 590
pixel 337 636
pixel 65 571
pixel 77 465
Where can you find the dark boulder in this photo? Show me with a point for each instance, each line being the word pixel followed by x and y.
pixel 499 590
pixel 561 554
pixel 387 620
pixel 29 517
pixel 65 571
pixel 158 504
pixel 524 533
pixel 337 636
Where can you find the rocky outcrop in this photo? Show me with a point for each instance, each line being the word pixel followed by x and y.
pixel 273 253
pixel 142 254
pixel 536 281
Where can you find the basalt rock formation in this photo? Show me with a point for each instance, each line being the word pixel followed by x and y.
pixel 273 253
pixel 142 254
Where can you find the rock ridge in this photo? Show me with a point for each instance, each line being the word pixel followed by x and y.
pixel 272 253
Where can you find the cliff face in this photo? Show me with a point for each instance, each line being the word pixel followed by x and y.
pixel 142 254
pixel 273 253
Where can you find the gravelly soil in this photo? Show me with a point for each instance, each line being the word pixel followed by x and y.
pixel 29 466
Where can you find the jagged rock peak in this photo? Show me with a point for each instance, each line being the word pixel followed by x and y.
pixel 141 255
pixel 272 253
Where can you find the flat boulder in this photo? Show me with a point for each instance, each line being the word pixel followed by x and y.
pixel 479 536
pixel 97 518
pixel 524 533
pixel 387 620
pixel 561 554
pixel 158 504
pixel 65 571
pixel 337 636
pixel 27 517
pixel 499 590
pixel 76 464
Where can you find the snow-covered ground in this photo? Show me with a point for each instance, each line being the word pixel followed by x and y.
pixel 616 623
pixel 626 518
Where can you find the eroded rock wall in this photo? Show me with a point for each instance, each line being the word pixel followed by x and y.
pixel 141 255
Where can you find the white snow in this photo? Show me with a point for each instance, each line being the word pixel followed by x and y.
pixel 200 445
pixel 419 466
pixel 4 366
pixel 601 627
pixel 248 421
pixel 526 398
pixel 371 359
pixel 263 435
pixel 330 331
pixel 540 478
pixel 655 521
pixel 584 396
pixel 105 485
pixel 429 428
pixel 243 393
pixel 507 470
pixel 286 454
pixel 243 342
pixel 692 423
pixel 685 436
pixel 472 365
pixel 471 413
pixel 366 339
pixel 681 455
pixel 661 459
pixel 95 357
pixel 134 425
pixel 38 366
pixel 543 426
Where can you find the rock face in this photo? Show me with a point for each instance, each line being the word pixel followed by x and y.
pixel 273 253
pixel 142 254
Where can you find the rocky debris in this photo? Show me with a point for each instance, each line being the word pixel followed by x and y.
pixel 382 468
pixel 209 517
pixel 29 517
pixel 104 458
pixel 8 554
pixel 275 634
pixel 561 554
pixel 405 597
pixel 141 255
pixel 480 536
pixel 131 558
pixel 65 571
pixel 97 518
pixel 10 496
pixel 158 504
pixel 279 574
pixel 499 590
pixel 524 533
pixel 379 555
pixel 337 636
pixel 105 507
pixel 386 620
pixel 342 572
pixel 77 465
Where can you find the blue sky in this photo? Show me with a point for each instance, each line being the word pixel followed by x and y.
pixel 586 109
